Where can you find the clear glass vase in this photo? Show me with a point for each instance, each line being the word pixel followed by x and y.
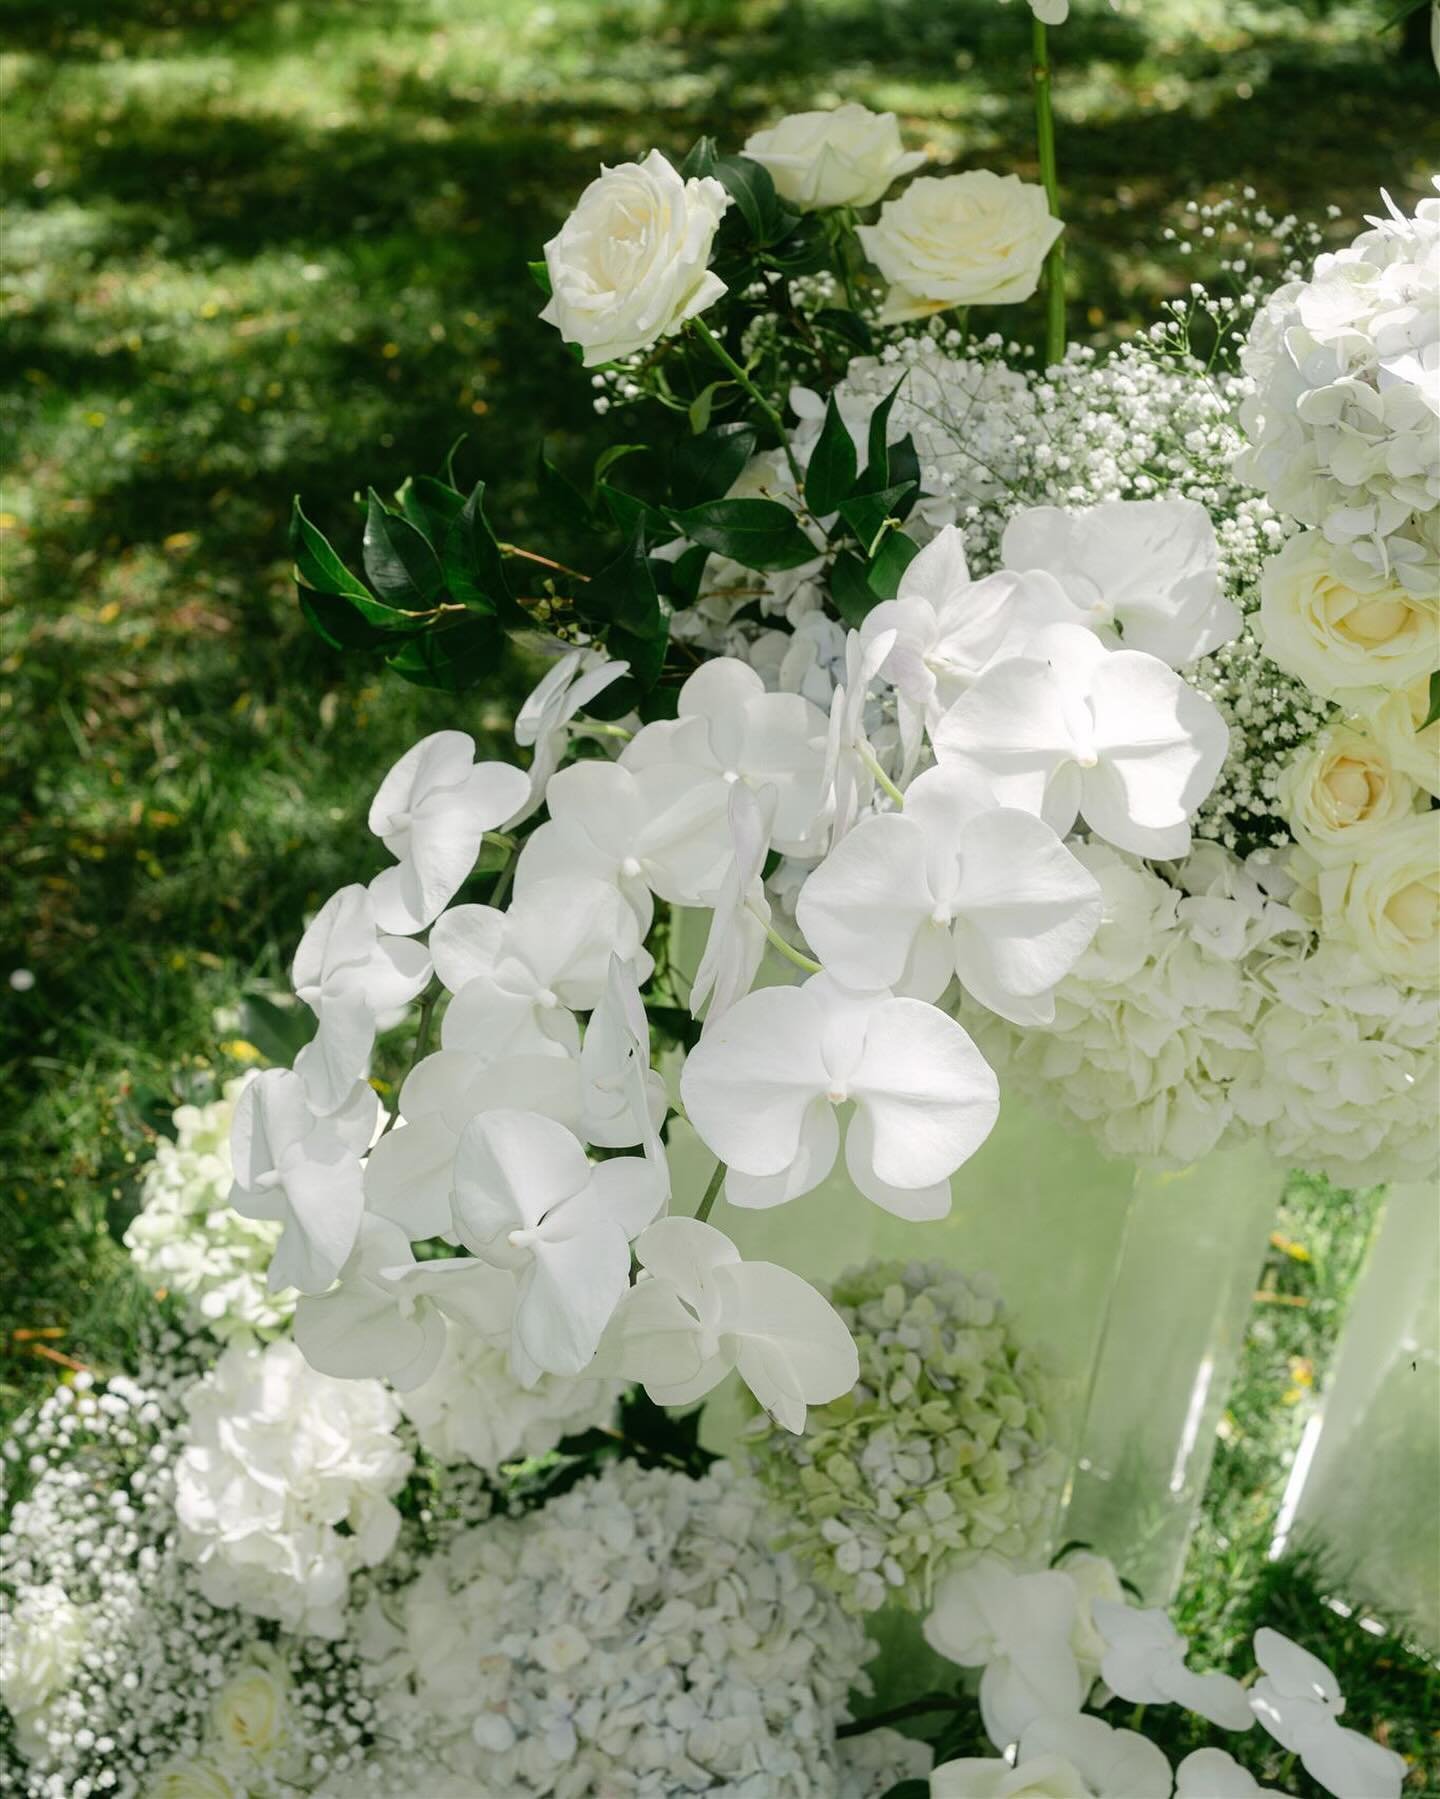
pixel 1366 1485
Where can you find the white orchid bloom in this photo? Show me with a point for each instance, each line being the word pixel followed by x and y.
pixel 410 1172
pixel 735 947
pixel 542 724
pixel 698 1311
pixel 953 885
pixel 948 627
pixel 1073 728
pixel 849 779
pixel 527 1199
pixel 1017 1627
pixel 1298 1700
pixel 1114 1764
pixel 1144 1663
pixel 431 812
pixel 1212 1774
pixel 387 1317
pixel 654 829
pixel 301 1170
pixel 517 974
pixel 622 1099
pixel 762 1086
pixel 733 730
pixel 348 972
pixel 1145 574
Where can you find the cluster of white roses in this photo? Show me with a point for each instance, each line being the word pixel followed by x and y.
pixel 1003 711
pixel 631 265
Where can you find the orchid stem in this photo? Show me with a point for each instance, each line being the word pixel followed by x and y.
pixel 422 1044
pixel 722 355
pixel 871 761
pixel 711 1194
pixel 788 950
pixel 1049 175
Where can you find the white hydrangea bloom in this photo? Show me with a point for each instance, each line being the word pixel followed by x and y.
pixel 473 1409
pixel 637 1634
pixel 1346 373
pixel 189 1239
pixel 276 1457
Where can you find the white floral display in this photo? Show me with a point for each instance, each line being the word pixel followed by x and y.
pixel 276 1457
pixel 188 1239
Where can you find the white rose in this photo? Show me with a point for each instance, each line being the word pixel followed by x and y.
pixel 847 157
pixel 1343 641
pixel 191 1780
pixel 40 1649
pixel 1391 903
pixel 250 1715
pixel 1341 793
pixel 977 239
pixel 630 264
pixel 1396 728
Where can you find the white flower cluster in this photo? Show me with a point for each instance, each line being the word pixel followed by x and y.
pixel 1043 1639
pixel 189 1240
pixel 118 1677
pixel 636 1635
pixel 1206 1011
pixel 941 1449
pixel 472 1408
pixel 276 1460
pixel 1344 420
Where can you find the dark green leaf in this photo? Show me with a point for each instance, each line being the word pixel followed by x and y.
pixel 701 159
pixel 843 323
pixel 607 459
pixel 679 580
pixel 851 591
pixel 474 567
pixel 454 655
pixel 877 461
pixel 278 1032
pixel 447 467
pixel 896 553
pixel 631 513
pixel 865 513
pixel 903 466
pixel 429 505
pixel 316 564
pixel 755 533
pixel 540 275
pixel 908 1789
pixel 1432 710
pixel 703 404
pixel 750 187
pixel 402 567
pixel 799 251
pixel 558 491
pixel 830 477
pixel 350 624
pixel 623 593
pixel 705 467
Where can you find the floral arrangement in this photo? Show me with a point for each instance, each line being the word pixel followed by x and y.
pixel 1067 724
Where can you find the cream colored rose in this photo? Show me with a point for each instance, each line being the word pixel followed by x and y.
pixel 1342 641
pixel 976 239
pixel 250 1716
pixel 191 1780
pixel 848 157
pixel 631 263
pixel 1342 793
pixel 39 1649
pixel 1396 728
pixel 1389 906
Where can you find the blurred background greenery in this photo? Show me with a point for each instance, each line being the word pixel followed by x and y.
pixel 255 247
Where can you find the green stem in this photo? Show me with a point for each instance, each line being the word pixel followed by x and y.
pixel 711 1193
pixel 788 950
pixel 722 355
pixel 501 890
pixel 422 1044
pixel 1049 174
pixel 914 1708
pixel 868 757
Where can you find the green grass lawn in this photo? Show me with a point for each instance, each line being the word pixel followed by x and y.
pixel 256 247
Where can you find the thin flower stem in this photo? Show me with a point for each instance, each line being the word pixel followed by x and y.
pixel 1049 174
pixel 501 890
pixel 513 549
pixel 788 950
pixel 868 757
pixel 914 1708
pixel 711 1194
pixel 428 1003
pixel 722 355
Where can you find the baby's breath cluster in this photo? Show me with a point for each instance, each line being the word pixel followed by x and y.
pixel 942 1448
